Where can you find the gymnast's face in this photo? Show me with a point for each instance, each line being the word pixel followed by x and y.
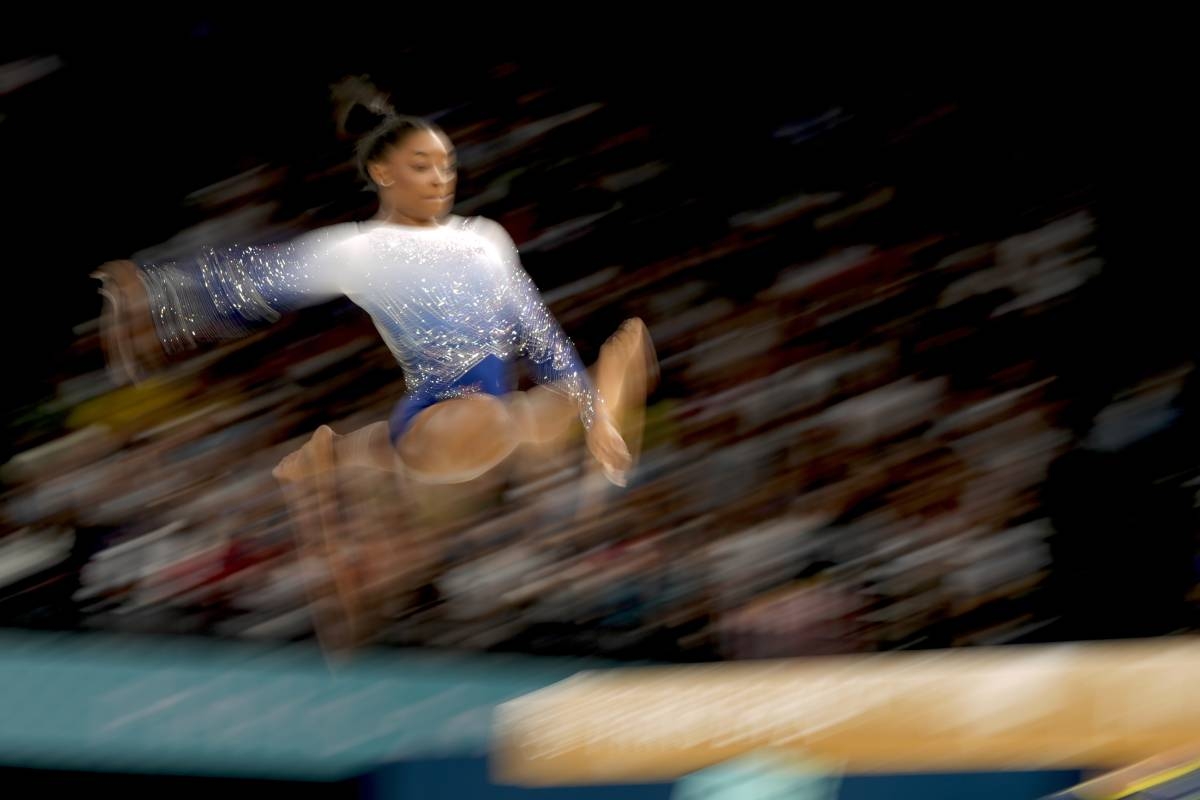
pixel 416 178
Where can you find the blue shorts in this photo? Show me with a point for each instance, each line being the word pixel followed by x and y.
pixel 489 376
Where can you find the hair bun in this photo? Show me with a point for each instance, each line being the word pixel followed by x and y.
pixel 359 105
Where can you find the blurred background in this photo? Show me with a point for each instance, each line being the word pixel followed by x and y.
pixel 927 344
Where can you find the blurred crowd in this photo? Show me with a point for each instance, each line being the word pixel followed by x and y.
pixel 868 434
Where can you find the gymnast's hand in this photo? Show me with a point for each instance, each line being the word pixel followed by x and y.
pixel 127 334
pixel 606 445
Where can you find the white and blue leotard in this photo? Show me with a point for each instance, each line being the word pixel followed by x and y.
pixel 449 301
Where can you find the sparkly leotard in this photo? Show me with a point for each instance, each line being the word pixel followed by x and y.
pixel 444 299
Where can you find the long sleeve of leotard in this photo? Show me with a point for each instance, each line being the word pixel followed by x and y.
pixel 225 292
pixel 540 338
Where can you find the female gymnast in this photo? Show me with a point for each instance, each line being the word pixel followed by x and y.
pixel 451 300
